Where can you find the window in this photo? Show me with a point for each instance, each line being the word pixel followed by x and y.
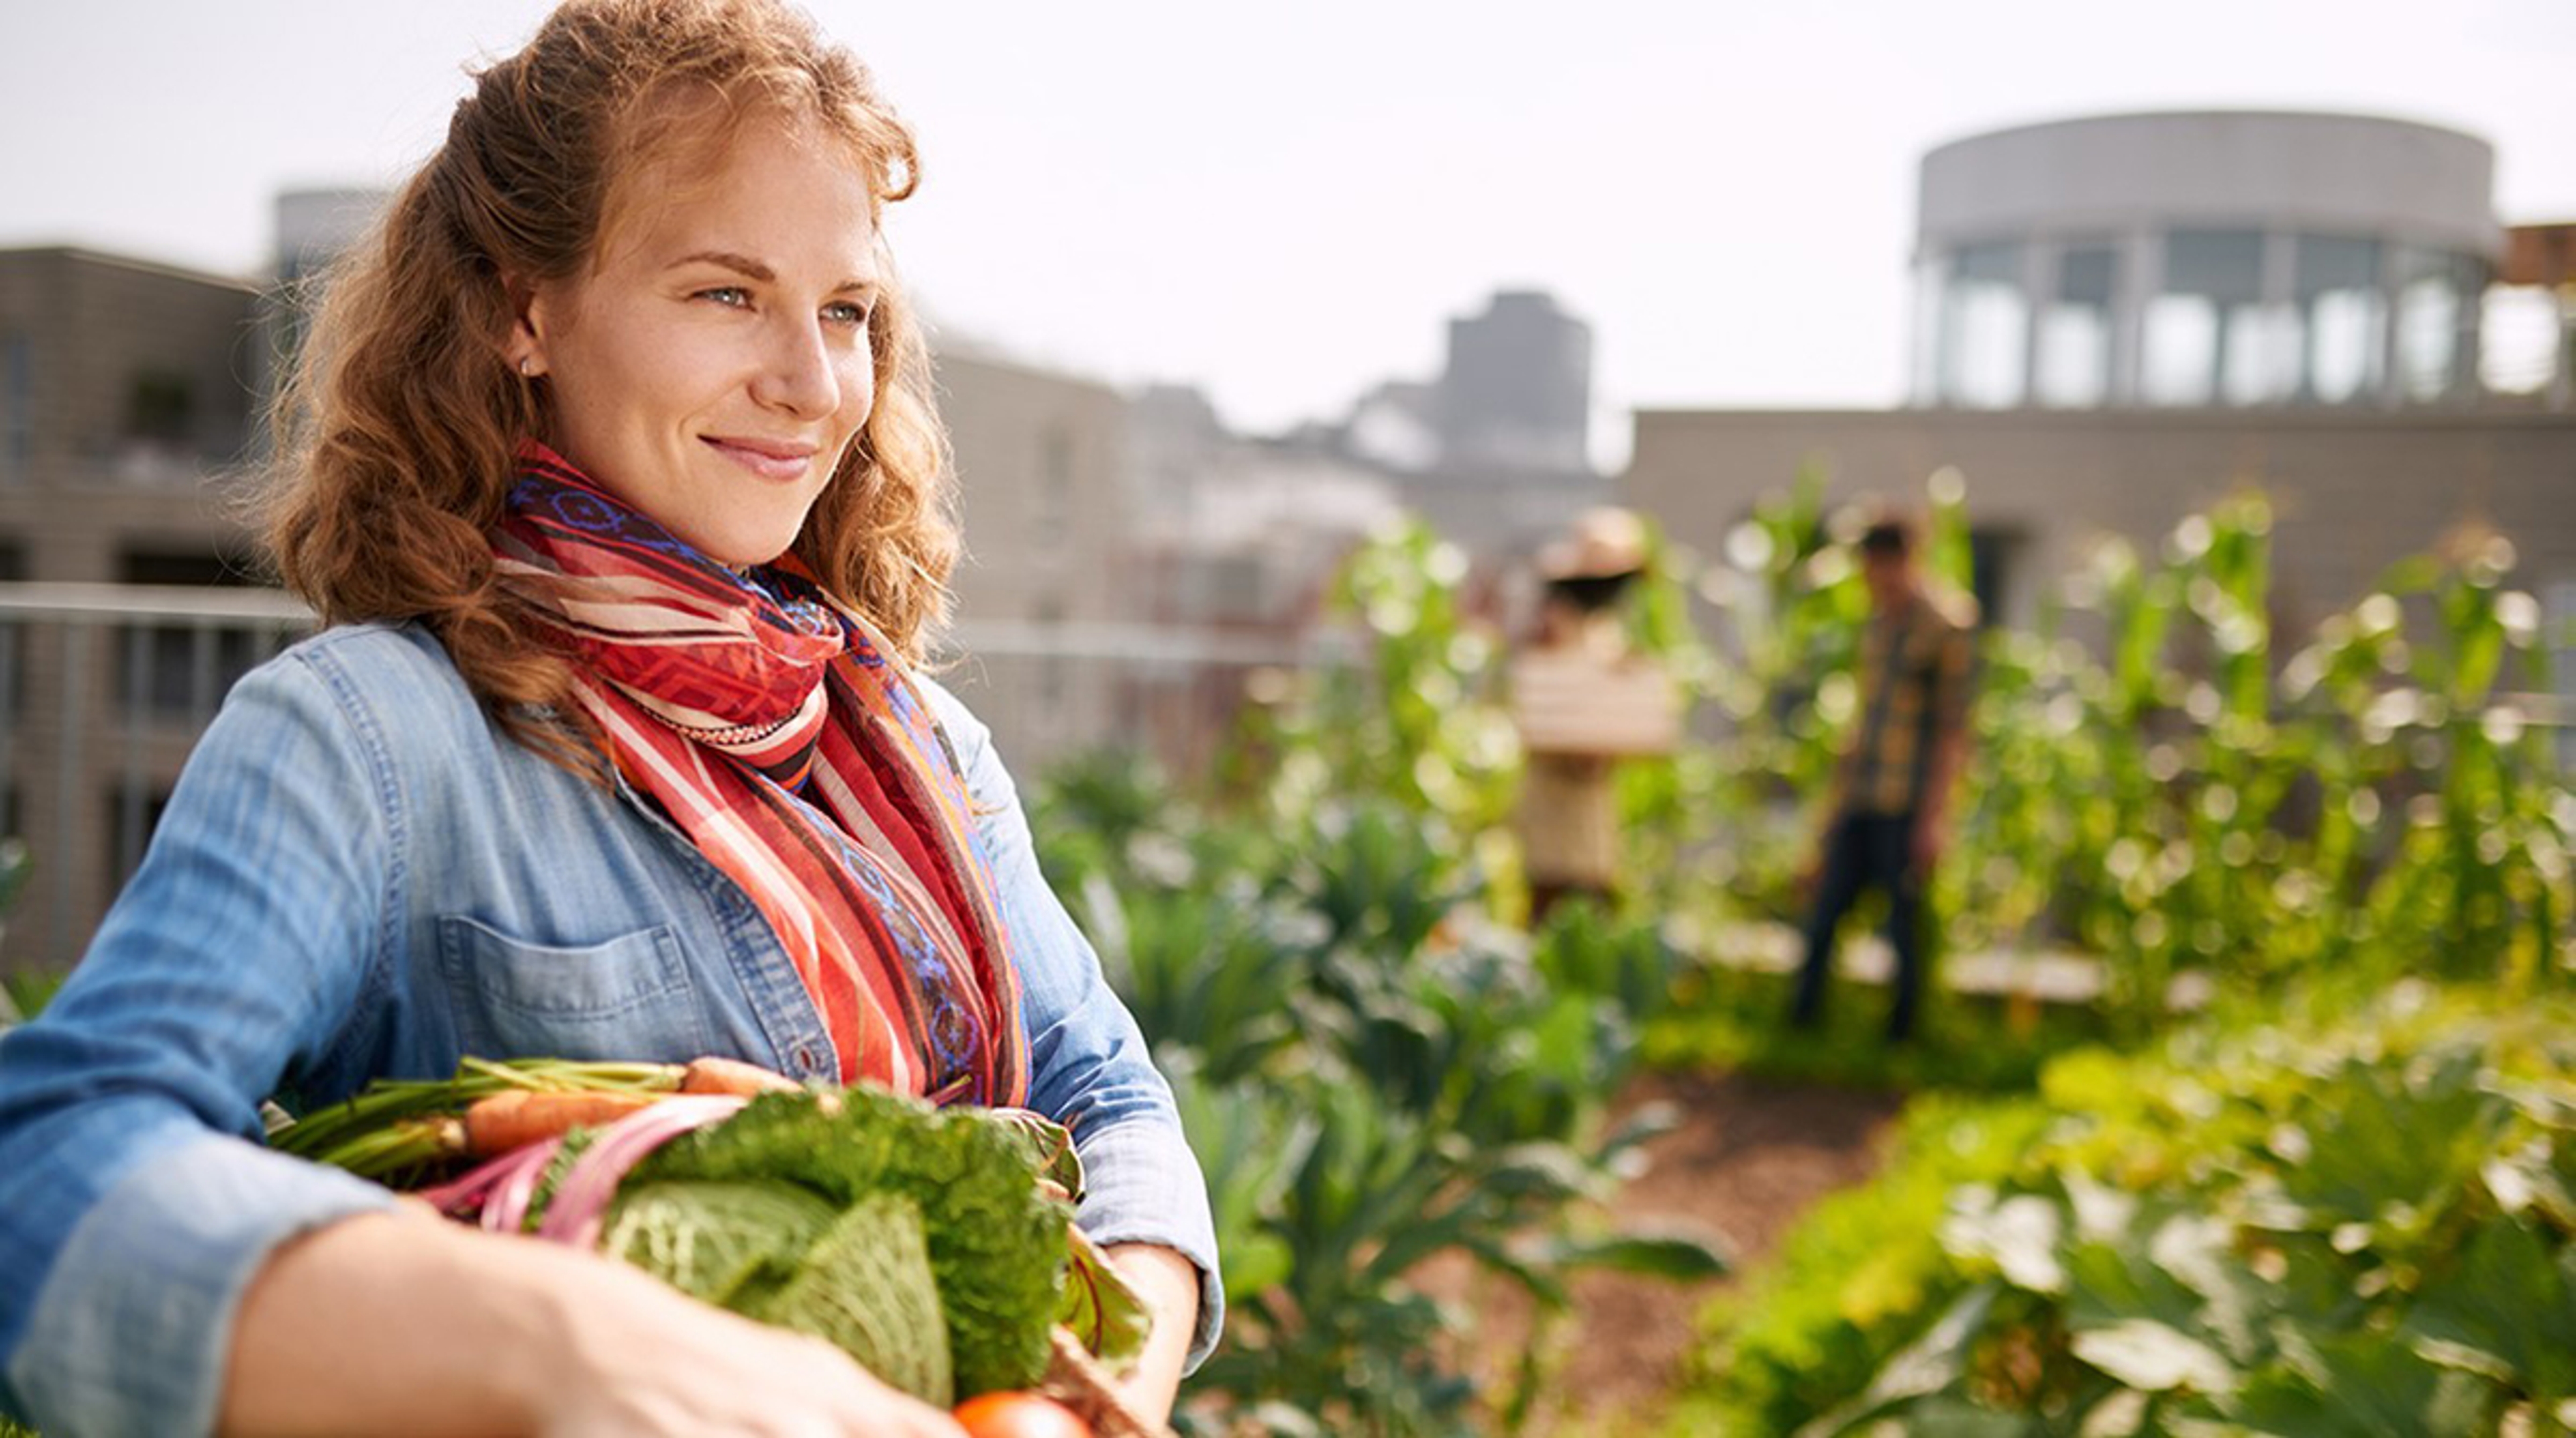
pixel 184 669
pixel 17 408
pixel 2075 330
pixel 1925 361
pixel 1053 511
pixel 2344 316
pixel 2209 336
pixel 2436 322
pixel 1985 327
pixel 160 408
pixel 13 656
pixel 133 812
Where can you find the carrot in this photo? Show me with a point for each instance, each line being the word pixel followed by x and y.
pixel 507 1121
pixel 733 1076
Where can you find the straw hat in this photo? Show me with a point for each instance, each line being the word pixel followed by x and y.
pixel 1604 542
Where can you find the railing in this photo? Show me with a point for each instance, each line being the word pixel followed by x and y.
pixel 104 689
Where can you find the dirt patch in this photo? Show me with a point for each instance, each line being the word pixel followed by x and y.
pixel 1747 1158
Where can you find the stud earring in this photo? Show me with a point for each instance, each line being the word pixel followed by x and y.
pixel 527 368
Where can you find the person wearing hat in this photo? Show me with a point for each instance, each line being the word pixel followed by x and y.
pixel 1583 699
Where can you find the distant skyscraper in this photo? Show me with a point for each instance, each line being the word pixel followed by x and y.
pixel 1517 392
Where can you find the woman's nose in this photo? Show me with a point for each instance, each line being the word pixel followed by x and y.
pixel 799 375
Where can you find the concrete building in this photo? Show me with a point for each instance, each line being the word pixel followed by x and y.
pixel 2204 259
pixel 1516 393
pixel 1046 502
pixel 1493 451
pixel 125 415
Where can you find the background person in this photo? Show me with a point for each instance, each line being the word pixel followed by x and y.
pixel 1888 812
pixel 1583 699
pixel 619 492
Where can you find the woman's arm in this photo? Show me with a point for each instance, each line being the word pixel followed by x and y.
pixel 1090 1068
pixel 134 1199
pixel 404 1322
pixel 1169 1284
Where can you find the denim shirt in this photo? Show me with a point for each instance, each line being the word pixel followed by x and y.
pixel 360 877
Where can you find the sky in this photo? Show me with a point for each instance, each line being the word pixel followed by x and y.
pixel 1284 204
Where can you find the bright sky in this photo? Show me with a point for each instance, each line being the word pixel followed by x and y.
pixel 1283 203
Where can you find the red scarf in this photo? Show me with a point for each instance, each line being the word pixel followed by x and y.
pixel 775 730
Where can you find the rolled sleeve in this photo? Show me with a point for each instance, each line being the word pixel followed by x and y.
pixel 1142 1185
pixel 131 1332
pixel 135 1199
pixel 1090 1067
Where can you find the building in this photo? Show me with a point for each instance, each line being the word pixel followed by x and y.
pixel 2204 259
pixel 2120 320
pixel 1493 451
pixel 1045 500
pixel 1516 393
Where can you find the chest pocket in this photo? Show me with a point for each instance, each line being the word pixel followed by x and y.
pixel 629 997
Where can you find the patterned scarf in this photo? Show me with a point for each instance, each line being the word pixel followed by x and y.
pixel 766 719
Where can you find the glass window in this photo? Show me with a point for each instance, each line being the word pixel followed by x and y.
pixel 2075 330
pixel 2436 323
pixel 2518 339
pixel 2209 335
pixel 1926 360
pixel 17 408
pixel 1985 327
pixel 2344 315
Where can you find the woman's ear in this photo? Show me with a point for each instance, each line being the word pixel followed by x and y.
pixel 533 320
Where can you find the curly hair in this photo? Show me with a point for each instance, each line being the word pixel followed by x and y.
pixel 400 426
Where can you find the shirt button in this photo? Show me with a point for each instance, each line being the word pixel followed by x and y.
pixel 805 1057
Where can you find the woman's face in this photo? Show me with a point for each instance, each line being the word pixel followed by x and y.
pixel 713 366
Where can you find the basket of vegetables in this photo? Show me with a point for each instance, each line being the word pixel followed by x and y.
pixel 935 1246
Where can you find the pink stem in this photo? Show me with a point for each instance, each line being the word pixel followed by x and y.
pixel 580 1206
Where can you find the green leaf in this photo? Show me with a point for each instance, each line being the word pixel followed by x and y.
pixel 2366 1386
pixel 1930 1364
pixel 1679 1257
pixel 2507 1312
pixel 1100 1307
pixel 2019 1236
pixel 2155 1357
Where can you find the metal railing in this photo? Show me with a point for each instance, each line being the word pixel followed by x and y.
pixel 104 689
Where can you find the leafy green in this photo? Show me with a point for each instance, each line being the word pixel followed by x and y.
pixel 866 1287
pixel 716 1241
pixel 995 1244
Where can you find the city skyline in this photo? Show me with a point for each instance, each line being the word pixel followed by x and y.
pixel 1286 210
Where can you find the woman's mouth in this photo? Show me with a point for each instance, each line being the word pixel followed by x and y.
pixel 771 461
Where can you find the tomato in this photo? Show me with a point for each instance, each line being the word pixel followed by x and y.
pixel 1019 1415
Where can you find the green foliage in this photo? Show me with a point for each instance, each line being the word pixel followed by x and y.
pixel 2155 778
pixel 1373 1076
pixel 1417 722
pixel 2316 1225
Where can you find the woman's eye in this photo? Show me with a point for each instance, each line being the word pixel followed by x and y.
pixel 846 313
pixel 734 295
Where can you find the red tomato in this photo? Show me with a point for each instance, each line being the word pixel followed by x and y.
pixel 1019 1415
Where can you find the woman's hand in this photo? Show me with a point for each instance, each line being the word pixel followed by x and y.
pixel 643 1361
pixel 400 1322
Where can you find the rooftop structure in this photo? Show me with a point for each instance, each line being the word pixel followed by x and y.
pixel 2221 258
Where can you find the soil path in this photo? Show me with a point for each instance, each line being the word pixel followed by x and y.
pixel 1747 1158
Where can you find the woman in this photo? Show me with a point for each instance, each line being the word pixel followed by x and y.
pixel 617 486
